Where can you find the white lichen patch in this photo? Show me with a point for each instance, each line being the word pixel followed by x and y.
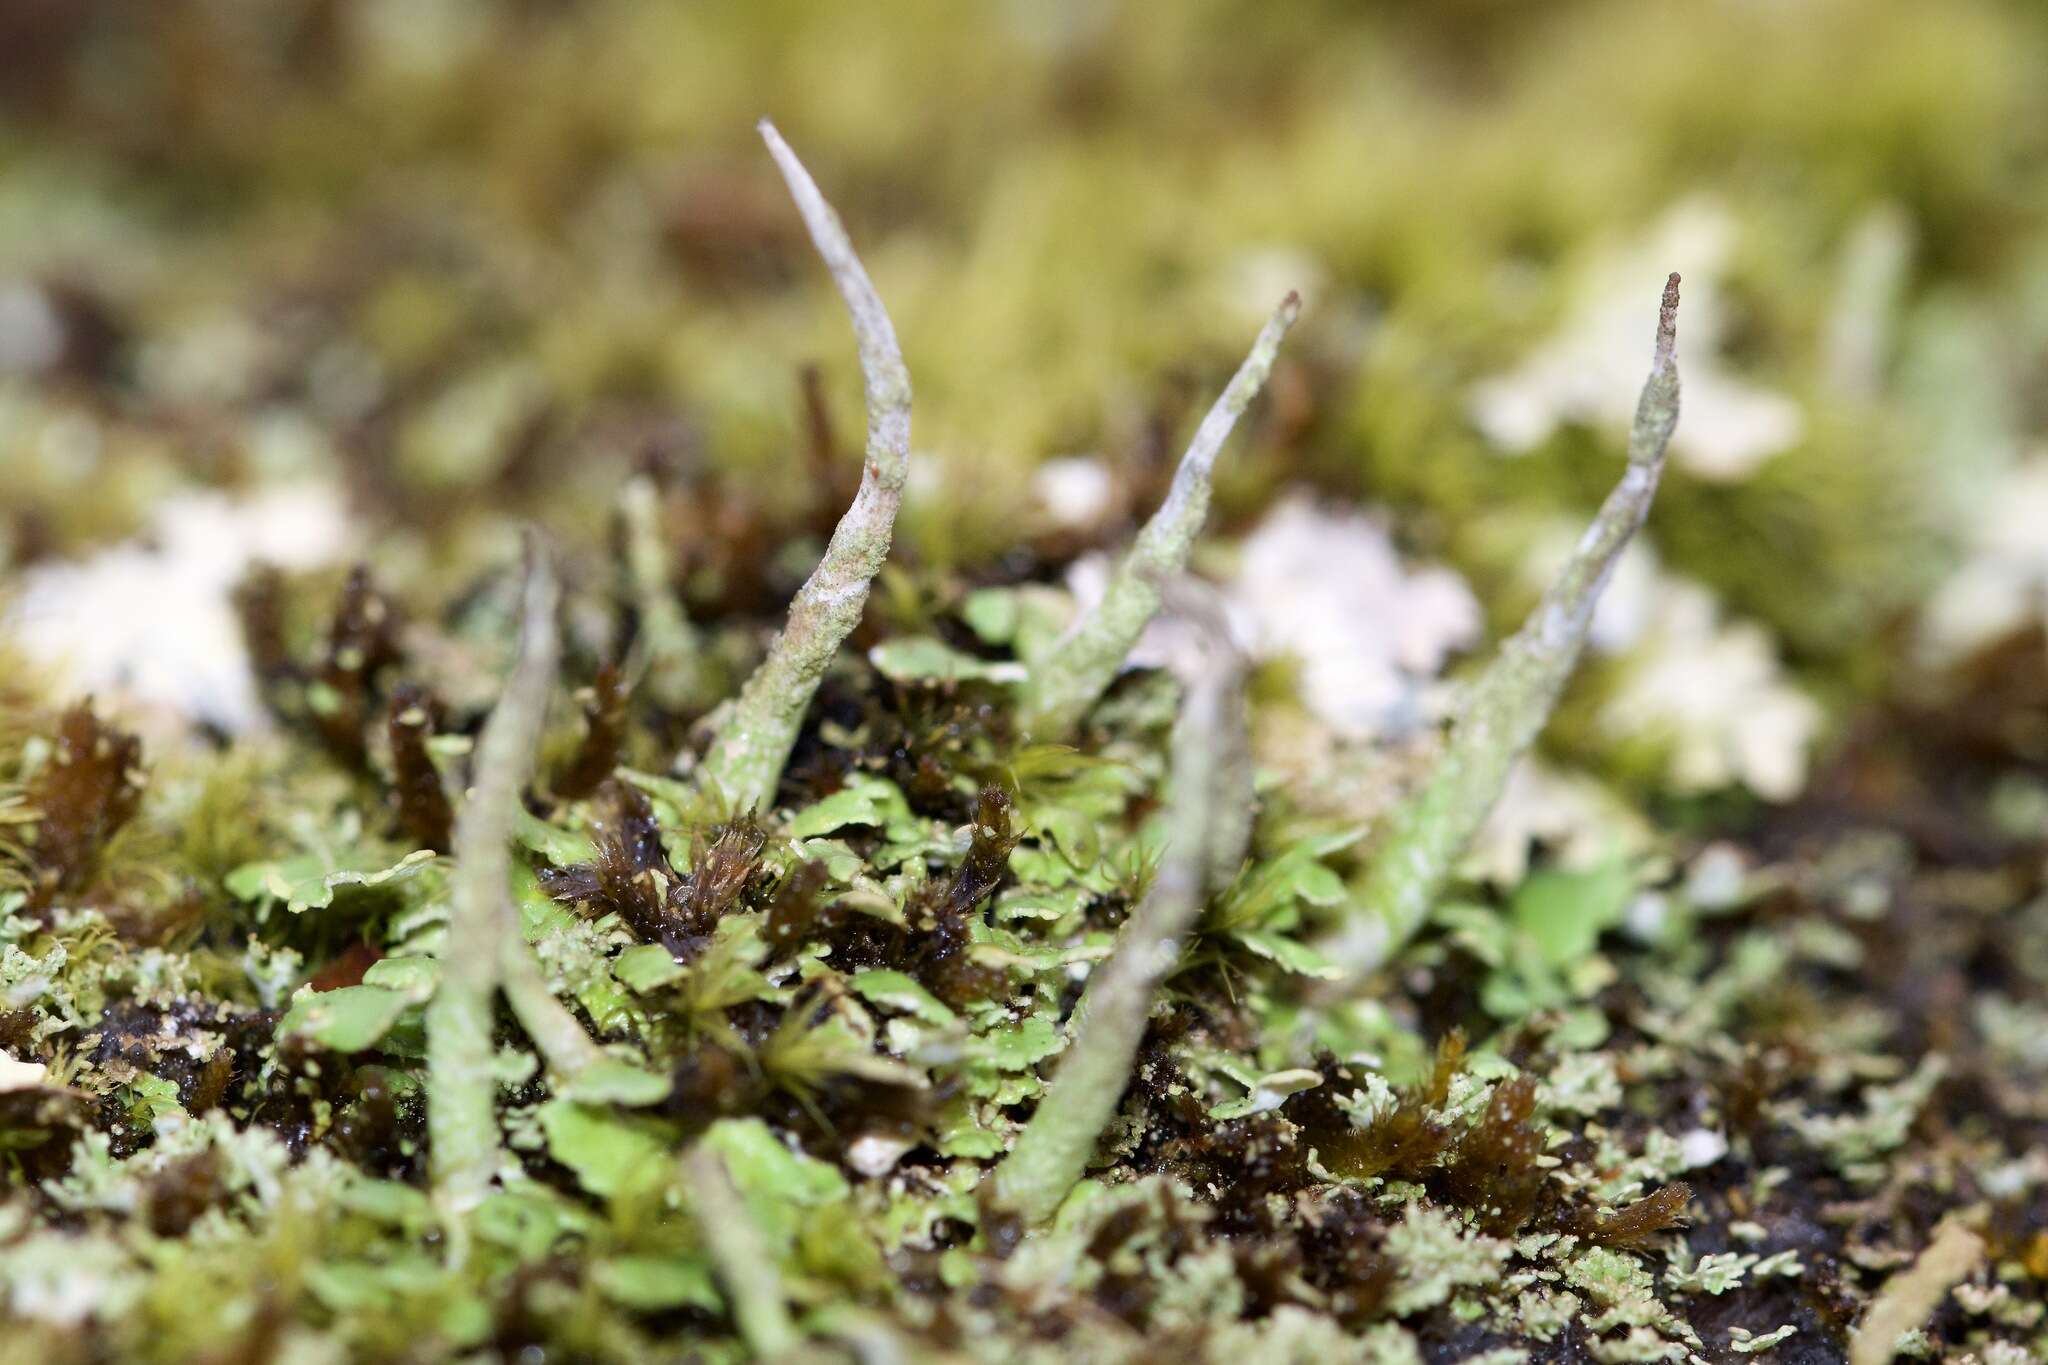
pixel 2002 583
pixel 1713 692
pixel 1587 371
pixel 150 624
pixel 1327 591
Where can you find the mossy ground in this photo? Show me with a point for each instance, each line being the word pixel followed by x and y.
pixel 1677 1083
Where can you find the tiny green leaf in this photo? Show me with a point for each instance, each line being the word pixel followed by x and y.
pixel 350 1019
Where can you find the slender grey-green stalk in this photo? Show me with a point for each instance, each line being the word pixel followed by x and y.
pixel 754 737
pixel 1079 666
pixel 1052 1153
pixel 1510 701
pixel 1235 806
pixel 560 1036
pixel 462 1120
pixel 752 1285
pixel 669 647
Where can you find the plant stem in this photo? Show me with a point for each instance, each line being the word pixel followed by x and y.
pixel 1512 699
pixel 1079 666
pixel 1052 1153
pixel 754 737
pixel 668 645
pixel 462 1121
pixel 752 1283
pixel 554 1030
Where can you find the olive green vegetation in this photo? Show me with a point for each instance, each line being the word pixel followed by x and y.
pixel 771 922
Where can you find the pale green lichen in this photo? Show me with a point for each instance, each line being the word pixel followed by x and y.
pixel 1438 1255
pixel 1510 701
pixel 755 735
pixel 462 1077
pixel 1053 1151
pixel 669 654
pixel 1077 668
pixel 752 1283
pixel 487 951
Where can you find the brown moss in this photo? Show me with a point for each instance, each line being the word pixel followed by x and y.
pixel 210 1086
pixel 362 640
pixel 631 874
pixel 259 603
pixel 424 812
pixel 182 1191
pixel 794 912
pixel 944 913
pixel 1636 1226
pixel 15 1027
pixel 89 789
pixel 1407 1142
pixel 347 969
pixel 634 878
pixel 711 1082
pixel 1493 1171
pixel 41 1124
pixel 723 864
pixel 604 705
pixel 1339 1243
pixel 935 941
pixel 377 1130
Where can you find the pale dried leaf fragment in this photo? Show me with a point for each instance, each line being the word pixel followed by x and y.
pixel 755 734
pixel 1910 1297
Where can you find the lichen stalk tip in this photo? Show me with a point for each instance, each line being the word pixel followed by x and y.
pixel 755 734
pixel 1079 667
pixel 1509 703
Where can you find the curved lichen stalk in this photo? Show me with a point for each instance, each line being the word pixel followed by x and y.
pixel 485 949
pixel 669 649
pixel 1052 1153
pixel 1080 665
pixel 1510 702
pixel 752 1284
pixel 755 735
pixel 462 1120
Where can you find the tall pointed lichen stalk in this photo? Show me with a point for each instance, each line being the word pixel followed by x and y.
pixel 485 949
pixel 1235 806
pixel 1079 666
pixel 669 649
pixel 462 1120
pixel 1509 702
pixel 752 1285
pixel 1052 1153
pixel 754 737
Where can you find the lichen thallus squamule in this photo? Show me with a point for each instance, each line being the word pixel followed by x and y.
pixel 1501 714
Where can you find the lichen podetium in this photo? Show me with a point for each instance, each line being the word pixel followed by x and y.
pixel 1055 1146
pixel 755 734
pixel 1078 667
pixel 462 1079
pixel 1513 697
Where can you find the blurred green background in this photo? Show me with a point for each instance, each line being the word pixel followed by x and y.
pixel 473 259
